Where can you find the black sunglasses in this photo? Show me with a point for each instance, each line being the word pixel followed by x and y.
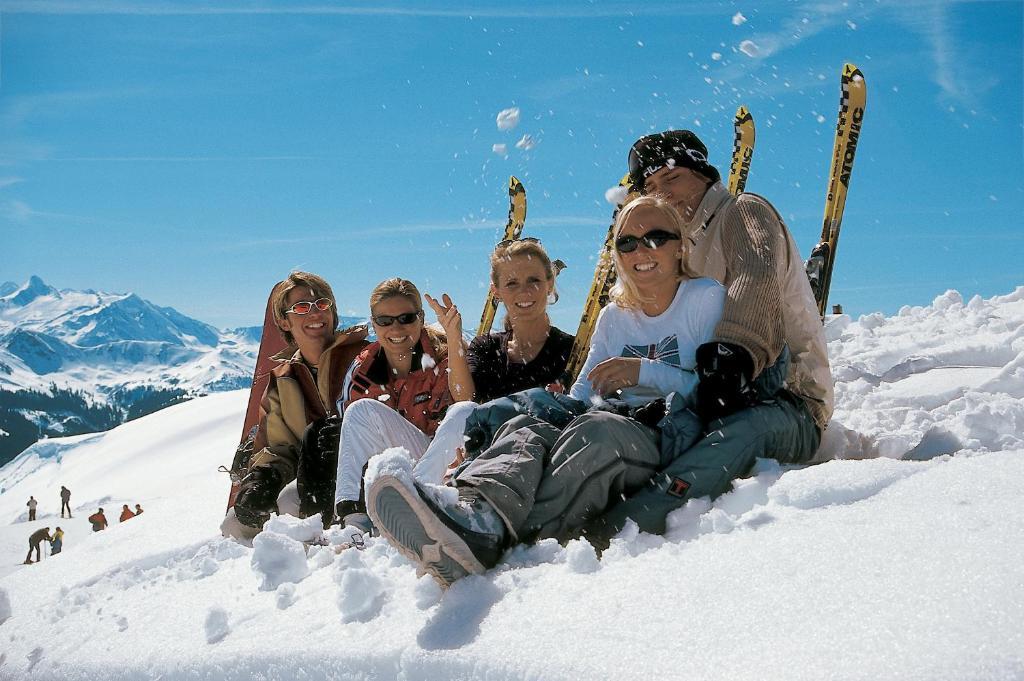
pixel 656 238
pixel 404 318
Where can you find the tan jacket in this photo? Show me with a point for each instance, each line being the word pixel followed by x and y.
pixel 744 244
pixel 293 400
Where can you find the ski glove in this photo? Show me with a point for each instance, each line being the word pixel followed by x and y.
pixel 725 372
pixel 257 496
pixel 318 467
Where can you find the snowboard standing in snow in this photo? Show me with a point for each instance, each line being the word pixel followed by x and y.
pixel 271 343
pixel 513 229
pixel 851 113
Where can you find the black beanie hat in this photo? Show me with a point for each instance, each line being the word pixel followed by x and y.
pixel 679 148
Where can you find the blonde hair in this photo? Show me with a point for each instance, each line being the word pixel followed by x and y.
pixel 503 254
pixel 279 298
pixel 624 293
pixel 396 286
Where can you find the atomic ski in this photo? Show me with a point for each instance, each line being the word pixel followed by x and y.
pixel 742 150
pixel 271 343
pixel 597 298
pixel 851 114
pixel 513 228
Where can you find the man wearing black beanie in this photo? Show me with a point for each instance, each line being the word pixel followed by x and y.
pixel 765 389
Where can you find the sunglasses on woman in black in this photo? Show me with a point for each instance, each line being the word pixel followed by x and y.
pixel 656 238
pixel 404 318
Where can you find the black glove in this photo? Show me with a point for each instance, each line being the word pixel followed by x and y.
pixel 257 496
pixel 318 467
pixel 725 371
pixel 651 413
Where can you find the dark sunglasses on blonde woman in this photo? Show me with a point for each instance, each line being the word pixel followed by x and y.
pixel 305 306
pixel 656 238
pixel 403 319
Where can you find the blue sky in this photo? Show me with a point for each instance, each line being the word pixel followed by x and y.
pixel 196 152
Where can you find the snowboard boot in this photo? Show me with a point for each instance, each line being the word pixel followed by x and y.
pixel 447 540
pixel 353 514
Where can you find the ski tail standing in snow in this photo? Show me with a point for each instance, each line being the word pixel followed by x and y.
pixel 600 286
pixel 513 228
pixel 297 404
pixel 742 150
pixel 765 389
pixel 557 461
pixel 851 115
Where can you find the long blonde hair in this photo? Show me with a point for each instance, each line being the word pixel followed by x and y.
pixel 396 286
pixel 529 248
pixel 624 293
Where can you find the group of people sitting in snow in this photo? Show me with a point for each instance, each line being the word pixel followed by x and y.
pixel 709 354
pixel 97 520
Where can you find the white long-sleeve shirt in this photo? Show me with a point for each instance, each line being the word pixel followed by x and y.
pixel 666 344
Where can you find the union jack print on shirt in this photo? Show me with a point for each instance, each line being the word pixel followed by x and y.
pixel 666 350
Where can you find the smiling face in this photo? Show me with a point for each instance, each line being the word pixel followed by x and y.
pixel 523 286
pixel 313 330
pixel 398 338
pixel 649 270
pixel 681 187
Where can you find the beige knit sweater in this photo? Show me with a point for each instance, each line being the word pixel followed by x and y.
pixel 744 244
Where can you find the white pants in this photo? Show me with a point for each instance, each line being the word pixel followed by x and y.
pixel 368 427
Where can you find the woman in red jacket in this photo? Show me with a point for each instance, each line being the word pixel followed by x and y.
pixel 404 371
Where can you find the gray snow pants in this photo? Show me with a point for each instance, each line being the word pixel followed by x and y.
pixel 545 482
pixel 781 429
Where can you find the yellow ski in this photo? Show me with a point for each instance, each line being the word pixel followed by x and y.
pixel 742 150
pixel 513 228
pixel 851 114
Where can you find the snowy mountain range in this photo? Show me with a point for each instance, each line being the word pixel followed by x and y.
pixel 84 361
pixel 898 559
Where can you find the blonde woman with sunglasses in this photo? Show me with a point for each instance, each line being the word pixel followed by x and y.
pixel 303 388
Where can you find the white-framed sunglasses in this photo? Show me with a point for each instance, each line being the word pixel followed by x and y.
pixel 305 306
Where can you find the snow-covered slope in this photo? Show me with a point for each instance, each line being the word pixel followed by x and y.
pixel 851 569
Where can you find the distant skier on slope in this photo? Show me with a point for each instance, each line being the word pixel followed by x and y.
pixel 34 540
pixel 57 543
pixel 303 389
pixel 32 503
pixel 65 501
pixel 98 520
pixel 126 513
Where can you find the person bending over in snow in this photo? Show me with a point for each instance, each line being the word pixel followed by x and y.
pixel 303 389
pixel 539 480
pixel 34 540
pixel 529 353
